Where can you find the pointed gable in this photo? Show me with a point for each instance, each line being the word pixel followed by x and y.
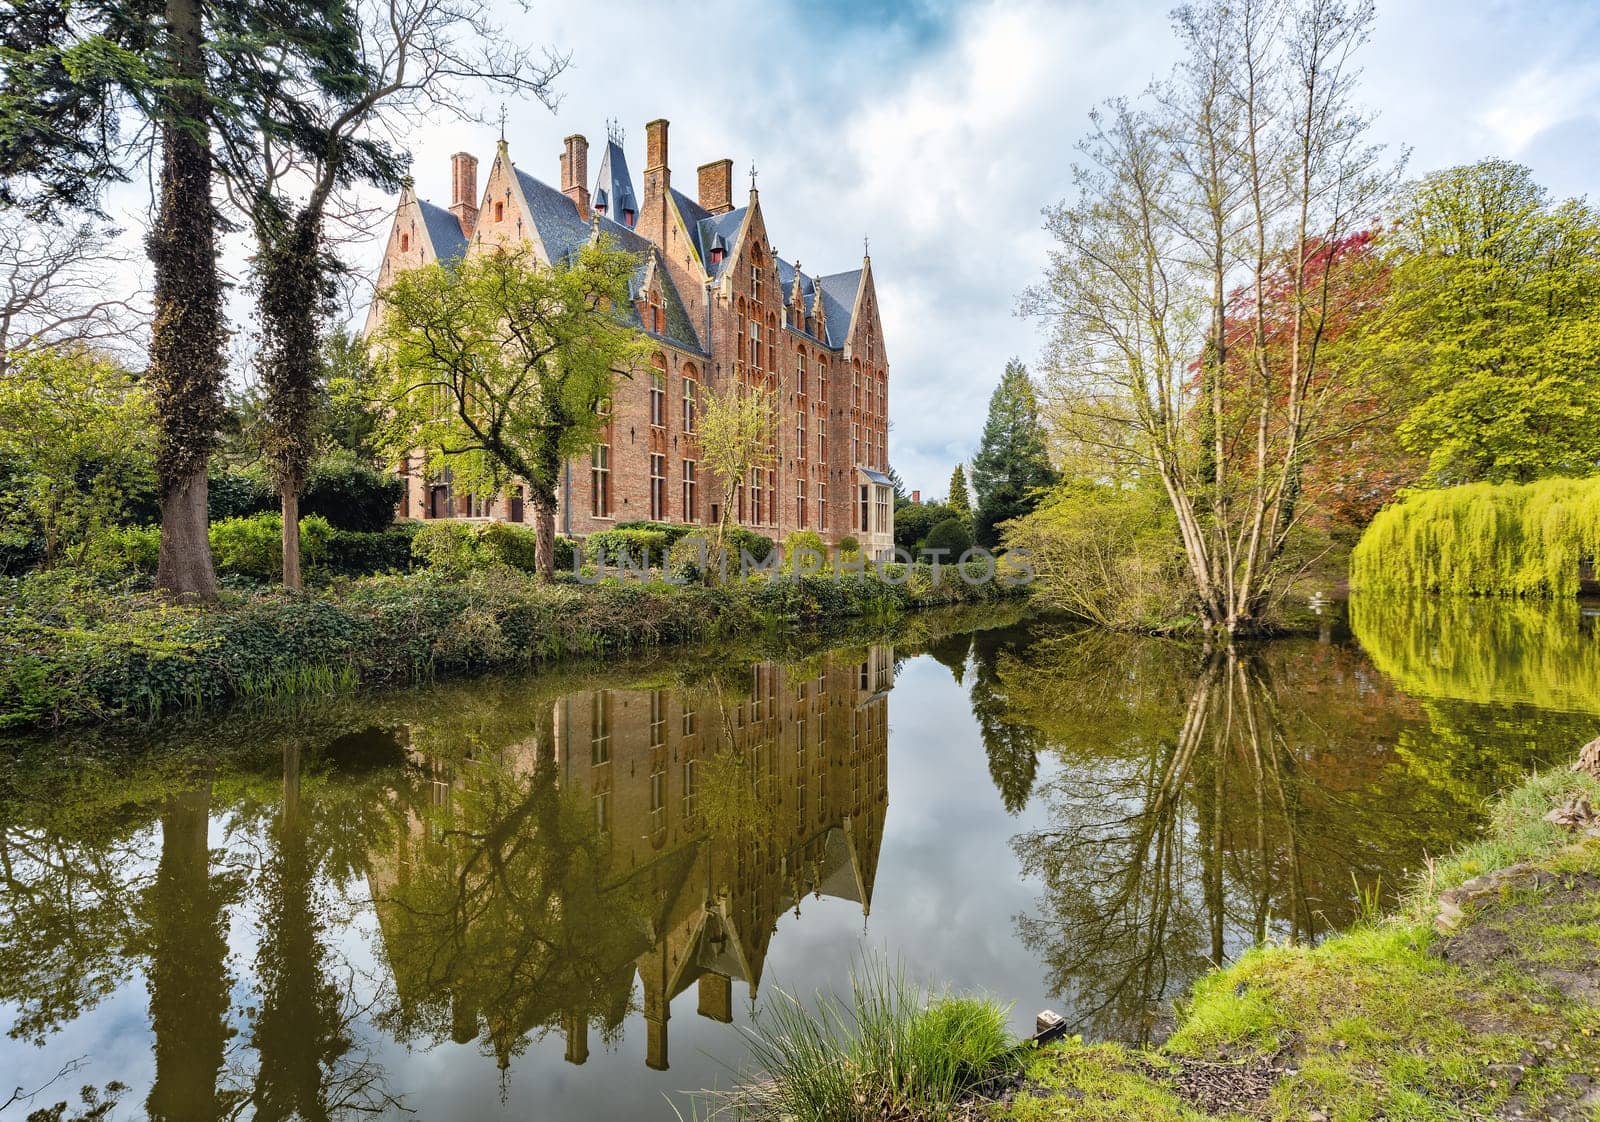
pixel 613 193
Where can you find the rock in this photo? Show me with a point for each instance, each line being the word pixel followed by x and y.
pixel 1589 759
pixel 1048 1025
pixel 1453 902
pixel 1574 814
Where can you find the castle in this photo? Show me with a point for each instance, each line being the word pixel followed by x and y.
pixel 719 304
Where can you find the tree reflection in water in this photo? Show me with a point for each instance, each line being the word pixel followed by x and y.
pixel 1200 802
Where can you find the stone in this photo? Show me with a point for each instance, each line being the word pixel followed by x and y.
pixel 1588 760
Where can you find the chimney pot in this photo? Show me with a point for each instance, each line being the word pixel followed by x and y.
pixel 716 186
pixel 655 144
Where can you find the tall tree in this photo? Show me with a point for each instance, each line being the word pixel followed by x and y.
pixel 1227 192
pixel 1497 328
pixel 738 435
pixel 83 81
pixel 500 369
pixel 960 500
pixel 411 57
pixel 1011 466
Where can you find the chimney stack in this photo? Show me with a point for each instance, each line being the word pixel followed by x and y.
pixel 657 177
pixel 916 496
pixel 716 186
pixel 464 190
pixel 575 173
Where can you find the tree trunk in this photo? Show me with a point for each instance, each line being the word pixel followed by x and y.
pixel 183 566
pixel 544 528
pixel 289 500
pixel 185 371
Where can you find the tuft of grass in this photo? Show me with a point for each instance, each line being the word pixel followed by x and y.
pixel 889 1050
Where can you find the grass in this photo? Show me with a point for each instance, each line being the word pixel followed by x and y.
pixel 889 1050
pixel 1388 1020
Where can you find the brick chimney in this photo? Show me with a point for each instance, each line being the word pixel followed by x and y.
pixel 575 173
pixel 716 186
pixel 464 191
pixel 916 496
pixel 657 176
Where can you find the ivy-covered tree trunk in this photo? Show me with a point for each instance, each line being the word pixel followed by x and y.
pixel 185 372
pixel 293 283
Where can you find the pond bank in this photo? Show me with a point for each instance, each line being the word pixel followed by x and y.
pixel 1479 997
pixel 73 651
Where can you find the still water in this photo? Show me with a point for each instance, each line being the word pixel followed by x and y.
pixel 564 896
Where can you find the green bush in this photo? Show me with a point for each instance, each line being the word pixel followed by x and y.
pixel 353 553
pixel 351 494
pixel 740 540
pixel 674 531
pixel 953 534
pixel 848 544
pixel 237 494
pixel 447 546
pixel 802 540
pixel 913 521
pixel 456 548
pixel 122 550
pixel 626 545
pixel 253 547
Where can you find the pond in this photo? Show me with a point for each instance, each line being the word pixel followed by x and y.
pixel 564 896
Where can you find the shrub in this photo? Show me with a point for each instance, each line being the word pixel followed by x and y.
pixel 353 553
pixel 674 531
pixel 685 556
pixel 351 494
pixel 121 550
pixel 253 547
pixel 801 540
pixel 740 540
pixel 457 548
pixel 626 545
pixel 237 494
pixel 913 521
pixel 848 544
pixel 447 546
pixel 953 534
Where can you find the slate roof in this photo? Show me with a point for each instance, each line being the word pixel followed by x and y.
pixel 725 226
pixel 443 231
pixel 839 299
pixel 613 187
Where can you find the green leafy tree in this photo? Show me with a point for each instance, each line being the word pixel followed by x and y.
pixel 209 79
pixel 913 521
pixel 738 435
pixel 500 369
pixel 77 433
pixel 959 500
pixel 1499 328
pixel 1011 466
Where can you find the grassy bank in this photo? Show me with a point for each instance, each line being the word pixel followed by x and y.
pixel 75 650
pixel 1498 1017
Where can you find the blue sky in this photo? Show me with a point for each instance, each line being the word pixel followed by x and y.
pixel 942 128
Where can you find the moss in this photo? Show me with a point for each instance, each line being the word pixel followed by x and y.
pixel 1102 1083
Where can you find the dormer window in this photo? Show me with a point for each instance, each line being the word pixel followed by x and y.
pixel 628 217
pixel 658 314
pixel 600 201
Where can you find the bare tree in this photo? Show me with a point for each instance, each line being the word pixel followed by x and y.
pixel 1195 281
pixel 416 58
pixel 58 286
pixel 738 435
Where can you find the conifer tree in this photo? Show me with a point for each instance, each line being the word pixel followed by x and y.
pixel 960 500
pixel 1011 466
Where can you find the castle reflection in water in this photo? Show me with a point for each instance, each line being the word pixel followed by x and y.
pixel 635 841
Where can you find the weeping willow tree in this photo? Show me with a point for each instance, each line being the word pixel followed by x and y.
pixel 1520 652
pixel 1484 539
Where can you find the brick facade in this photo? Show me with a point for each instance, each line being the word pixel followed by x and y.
pixel 719 304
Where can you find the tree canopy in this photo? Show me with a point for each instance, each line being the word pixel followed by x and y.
pixel 1012 464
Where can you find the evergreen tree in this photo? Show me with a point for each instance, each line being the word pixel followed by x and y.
pixel 1011 466
pixel 960 500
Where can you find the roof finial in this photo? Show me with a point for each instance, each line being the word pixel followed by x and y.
pixel 502 122
pixel 752 176
pixel 866 246
pixel 614 130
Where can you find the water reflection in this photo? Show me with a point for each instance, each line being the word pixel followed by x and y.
pixel 377 903
pixel 616 833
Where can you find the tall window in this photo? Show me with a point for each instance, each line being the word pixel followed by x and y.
pixel 658 314
pixel 755 281
pixel 800 433
pixel 883 509
pixel 599 728
pixel 800 372
pixel 755 345
pixel 658 398
pixel 822 440
pixel 800 504
pixel 755 495
pixel 658 718
pixel 658 487
pixel 856 381
pixel 870 340
pixel 600 482
pixel 690 486
pixel 855 443
pixel 822 505
pixel 864 510
pixel 689 389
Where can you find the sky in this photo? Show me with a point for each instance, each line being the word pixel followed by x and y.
pixel 940 128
